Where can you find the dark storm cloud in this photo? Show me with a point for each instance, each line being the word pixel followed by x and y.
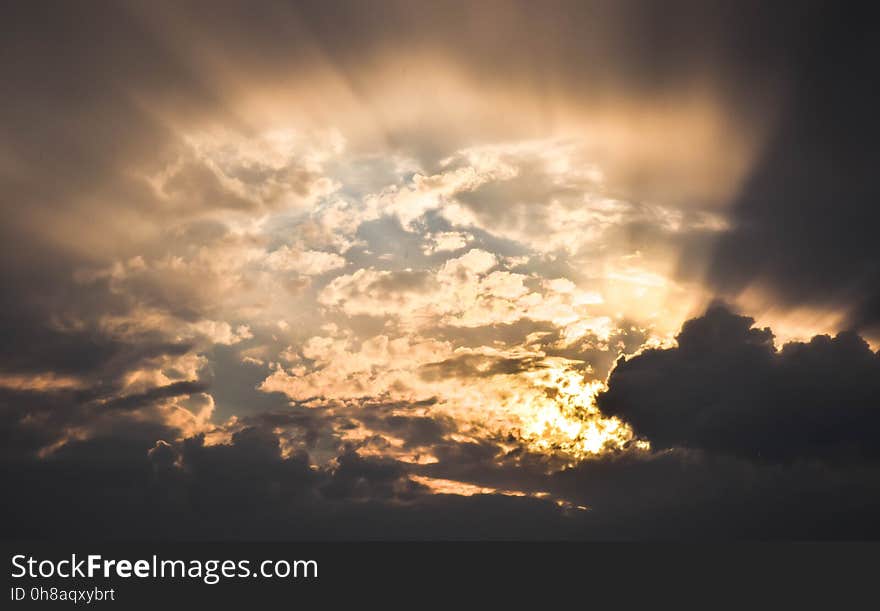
pixel 48 320
pixel 127 486
pixel 62 372
pixel 726 389
pixel 680 495
pixel 806 219
pixel 130 487
pixel 357 478
pixel 32 420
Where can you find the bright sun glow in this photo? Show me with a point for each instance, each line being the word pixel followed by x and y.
pixel 569 421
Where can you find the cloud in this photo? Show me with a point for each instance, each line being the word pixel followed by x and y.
pixel 267 274
pixel 466 365
pixel 308 262
pixel 446 241
pixel 174 389
pixel 726 388
pixel 250 488
pixel 802 224
pixel 540 401
pixel 340 368
pixel 464 291
pixel 219 170
pixel 247 488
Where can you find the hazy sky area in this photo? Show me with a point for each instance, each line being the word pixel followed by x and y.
pixel 592 270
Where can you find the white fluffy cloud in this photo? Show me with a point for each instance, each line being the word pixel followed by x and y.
pixel 465 291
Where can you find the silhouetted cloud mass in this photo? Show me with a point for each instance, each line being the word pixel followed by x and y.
pixel 726 388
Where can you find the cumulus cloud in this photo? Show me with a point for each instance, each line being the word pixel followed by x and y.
pixel 464 291
pixel 726 388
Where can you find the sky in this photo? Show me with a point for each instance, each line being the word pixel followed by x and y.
pixel 439 270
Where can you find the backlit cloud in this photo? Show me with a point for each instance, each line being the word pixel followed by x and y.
pixel 460 259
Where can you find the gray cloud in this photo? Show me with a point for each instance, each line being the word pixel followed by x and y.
pixel 725 388
pixel 804 220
